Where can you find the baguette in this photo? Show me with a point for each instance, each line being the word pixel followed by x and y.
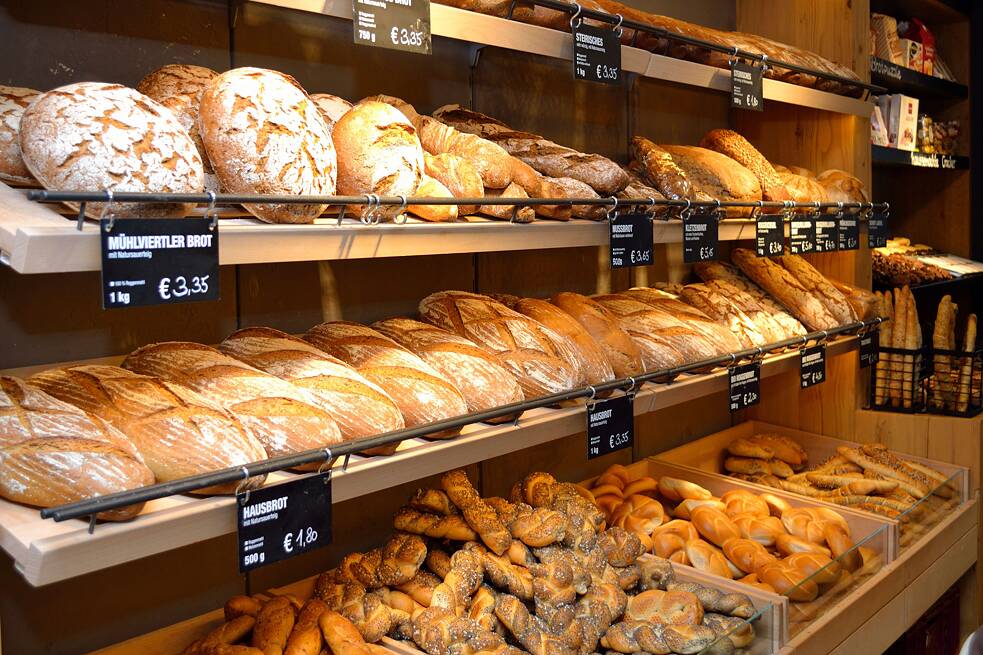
pixel 814 281
pixel 884 363
pixel 913 341
pixel 896 381
pixel 786 288
pixel 945 317
pixel 966 372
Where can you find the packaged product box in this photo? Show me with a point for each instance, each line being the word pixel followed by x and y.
pixel 878 129
pixel 911 54
pixel 904 110
pixel 917 31
pixel 886 43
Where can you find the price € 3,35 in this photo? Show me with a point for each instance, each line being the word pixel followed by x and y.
pixel 616 441
pixel 180 286
pixel 406 36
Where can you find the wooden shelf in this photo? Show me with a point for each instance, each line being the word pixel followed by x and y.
pixel 893 157
pixel 463 25
pixel 900 79
pixel 44 551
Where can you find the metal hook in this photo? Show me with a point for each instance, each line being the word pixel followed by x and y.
pixel 573 19
pixel 515 213
pixel 687 211
pixel 592 397
pixel 716 209
pixel 341 214
pixel 764 63
pixel 105 211
pixel 81 218
pixel 631 389
pixel 758 355
pixel 733 360
pixel 825 337
pixel 378 216
pixel 211 210
pixel 344 464
pixel 731 62
pixel 839 209
pixel 365 218
pixel 617 28
pixel 401 210
pixel 612 213
pixel 327 461
pixel 242 485
pixel 756 211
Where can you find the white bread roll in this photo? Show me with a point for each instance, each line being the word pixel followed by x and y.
pixel 93 136
pixel 263 134
pixel 13 102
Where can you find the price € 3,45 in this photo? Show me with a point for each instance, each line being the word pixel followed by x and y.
pixel 406 36
pixel 181 286
pixel 303 539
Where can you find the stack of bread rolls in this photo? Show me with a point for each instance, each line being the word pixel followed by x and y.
pixel 756 539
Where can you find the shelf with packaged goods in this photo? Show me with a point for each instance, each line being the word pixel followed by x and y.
pixel 46 551
pixel 893 157
pixel 464 25
pixel 900 79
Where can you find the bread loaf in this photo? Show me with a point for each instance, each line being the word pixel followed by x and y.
pixel 177 431
pixel 723 339
pixel 13 101
pixel 489 159
pixel 263 134
pixel 176 79
pixel 803 189
pixel 421 393
pixel 332 108
pixel 576 189
pixel 432 188
pixel 795 170
pixel 735 146
pixel 840 186
pixel 590 358
pixel 540 186
pixel 709 271
pixel 92 136
pixel 284 417
pixel 662 172
pixel 511 213
pixel 185 110
pixel 484 383
pixel 717 175
pixel 538 357
pixel 814 282
pixel 360 407
pixel 770 329
pixel 727 313
pixel 458 175
pixel 620 349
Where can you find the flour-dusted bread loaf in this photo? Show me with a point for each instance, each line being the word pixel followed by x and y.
pixel 484 383
pixel 770 329
pixel 722 337
pixel 842 187
pixel 620 349
pixel 803 189
pixel 832 298
pixel 430 187
pixel 176 79
pixel 725 311
pixel 458 175
pixel 717 175
pixel 379 152
pixel 538 357
pixel 263 134
pixel 332 108
pixel 185 109
pixel 422 394
pixel 735 146
pixel 360 407
pixel 284 417
pixel 92 136
pixel 177 431
pixel 489 159
pixel 591 358
pixel 785 288
pixel 661 171
pixel 54 471
pixel 13 101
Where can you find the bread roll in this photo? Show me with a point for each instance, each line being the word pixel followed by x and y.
pixel 360 407
pixel 284 417
pixel 747 554
pixel 459 176
pixel 744 504
pixel 684 529
pixel 432 188
pixel 714 526
pixel 332 108
pixel 93 136
pixel 620 349
pixel 763 529
pixel 789 581
pixel 666 607
pixel 176 79
pixel 537 356
pixel 820 568
pixel 178 432
pixel 13 102
pixel 788 544
pixel 842 547
pixel 421 393
pixel 735 146
pixel 263 134
pixel 676 489
pixel 484 383
pixel 705 557
pixel 684 510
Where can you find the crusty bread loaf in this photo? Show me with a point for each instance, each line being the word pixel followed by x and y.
pixel 379 152
pixel 93 136
pixel 620 349
pixel 719 335
pixel 420 392
pixel 177 431
pixel 803 189
pixel 484 383
pixel 360 407
pixel 433 188
pixel 735 146
pixel 590 358
pixel 53 471
pixel 185 110
pixel 720 308
pixel 716 175
pixel 176 79
pixel 711 271
pixel 842 187
pixel 284 417
pixel 539 186
pixel 832 299
pixel 769 328
pixel 537 356
pixel 508 212
pixel 489 159
pixel 458 175
pixel 332 108
pixel 576 189
pixel 13 101
pixel 661 171
pixel 796 170
pixel 786 288
pixel 263 134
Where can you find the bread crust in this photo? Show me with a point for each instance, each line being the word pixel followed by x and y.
pixel 13 101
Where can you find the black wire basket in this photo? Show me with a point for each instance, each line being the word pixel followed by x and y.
pixel 955 383
pixel 927 380
pixel 899 380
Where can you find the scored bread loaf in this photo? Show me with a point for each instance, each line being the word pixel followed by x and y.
pixel 432 188
pixel 67 144
pixel 178 432
pixel 720 308
pixel 591 358
pixel 458 175
pixel 711 271
pixel 840 186
pixel 803 189
pixel 721 336
pixel 662 172
pixel 489 159
pixel 769 328
pixel 538 357
pixel 263 134
pixel 576 189
pixel 735 146
pixel 13 101
pixel 284 417
pixel 621 351
pixel 832 298
pixel 484 383
pixel 185 110
pixel 785 288
pixel 421 393
pixel 332 108
pixel 539 186
pixel 360 407
pixel 717 175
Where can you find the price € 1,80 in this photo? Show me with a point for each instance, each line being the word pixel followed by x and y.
pixel 618 440
pixel 406 36
pixel 303 539
pixel 181 286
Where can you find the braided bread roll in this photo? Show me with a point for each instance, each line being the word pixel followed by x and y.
pixel 431 525
pixel 714 600
pixel 479 515
pixel 514 616
pixel 642 636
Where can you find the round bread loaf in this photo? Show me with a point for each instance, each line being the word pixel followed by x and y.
pixel 185 109
pixel 176 79
pixel 92 136
pixel 263 134
pixel 331 107
pixel 381 153
pixel 13 101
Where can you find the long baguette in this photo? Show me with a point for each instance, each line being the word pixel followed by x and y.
pixel 896 374
pixel 882 372
pixel 913 338
pixel 945 316
pixel 966 374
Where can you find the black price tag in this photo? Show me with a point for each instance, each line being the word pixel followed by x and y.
pixel 870 343
pixel 631 240
pixel 877 230
pixel 802 236
pixel 812 366
pixel 701 236
pixel 744 384
pixel 849 232
pixel 156 261
pixel 745 87
pixel 393 24
pixel 610 426
pixel 596 54
pixel 769 235
pixel 827 236
pixel 283 521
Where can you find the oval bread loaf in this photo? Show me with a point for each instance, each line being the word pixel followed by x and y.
pixel 94 136
pixel 735 146
pixel 430 187
pixel 458 175
pixel 185 109
pixel 263 134
pixel 13 102
pixel 178 432
pixel 176 79
pixel 620 349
